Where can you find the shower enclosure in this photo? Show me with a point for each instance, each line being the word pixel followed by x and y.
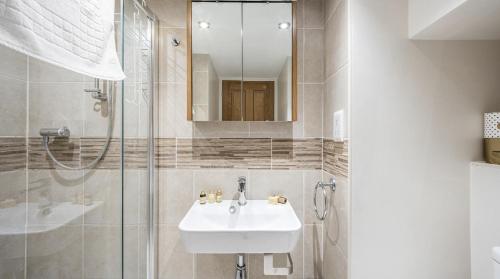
pixel 83 220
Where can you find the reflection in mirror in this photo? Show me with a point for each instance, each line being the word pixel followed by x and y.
pixel 242 62
pixel 216 55
pixel 267 62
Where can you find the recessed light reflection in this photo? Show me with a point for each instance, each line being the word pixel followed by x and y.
pixel 284 25
pixel 204 24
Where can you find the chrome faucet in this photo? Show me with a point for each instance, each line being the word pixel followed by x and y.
pixel 242 188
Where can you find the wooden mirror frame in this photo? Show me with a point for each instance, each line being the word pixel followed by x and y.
pixel 189 56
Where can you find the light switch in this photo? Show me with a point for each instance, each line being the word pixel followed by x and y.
pixel 338 125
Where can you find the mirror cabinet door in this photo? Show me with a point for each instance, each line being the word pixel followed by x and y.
pixel 267 62
pixel 243 62
pixel 216 57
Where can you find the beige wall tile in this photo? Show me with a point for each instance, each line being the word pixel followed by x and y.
pixel 330 7
pixel 271 129
pixel 131 252
pixel 232 129
pixel 176 195
pixel 313 110
pixel 213 266
pixel 300 13
pixel 11 268
pixel 166 110
pixel 313 251
pixel 46 111
pixel 300 55
pixel 298 126
pixel 336 98
pixel 337 267
pixel 172 60
pixel 13 246
pixel 173 261
pixel 56 254
pixel 313 13
pixel 336 40
pixel 12 107
pixel 102 247
pixel 171 13
pixel 103 186
pixel 313 55
pixel 172 108
pixel 61 185
pixel 14 64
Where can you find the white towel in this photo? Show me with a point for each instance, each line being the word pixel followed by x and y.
pixel 74 34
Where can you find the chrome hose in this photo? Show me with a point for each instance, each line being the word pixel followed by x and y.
pixel 109 133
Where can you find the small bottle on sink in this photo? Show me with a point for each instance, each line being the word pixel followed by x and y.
pixel 218 196
pixel 203 197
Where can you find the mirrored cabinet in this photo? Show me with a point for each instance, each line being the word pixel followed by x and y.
pixel 242 61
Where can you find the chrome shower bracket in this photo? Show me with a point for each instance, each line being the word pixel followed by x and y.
pixel 332 186
pixel 97 92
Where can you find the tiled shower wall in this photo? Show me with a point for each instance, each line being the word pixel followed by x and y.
pixel 281 157
pixel 336 155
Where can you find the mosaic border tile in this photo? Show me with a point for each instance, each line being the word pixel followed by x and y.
pixel 165 153
pixel 238 153
pixel 297 153
pixel 235 153
pixel 67 151
pixel 336 157
pixel 12 153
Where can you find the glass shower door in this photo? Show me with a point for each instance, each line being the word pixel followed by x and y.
pixel 137 139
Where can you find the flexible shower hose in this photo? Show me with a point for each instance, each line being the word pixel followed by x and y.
pixel 111 89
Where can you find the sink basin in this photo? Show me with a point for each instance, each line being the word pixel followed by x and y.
pixel 258 227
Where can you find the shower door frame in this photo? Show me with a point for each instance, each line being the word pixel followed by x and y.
pixel 151 267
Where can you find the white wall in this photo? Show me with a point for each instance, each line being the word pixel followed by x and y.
pixel 416 111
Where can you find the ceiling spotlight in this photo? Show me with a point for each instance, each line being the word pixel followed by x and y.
pixel 204 24
pixel 284 25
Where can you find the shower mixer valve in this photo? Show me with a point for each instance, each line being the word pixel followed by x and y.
pixel 55 132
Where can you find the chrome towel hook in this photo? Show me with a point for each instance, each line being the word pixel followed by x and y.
pixel 332 186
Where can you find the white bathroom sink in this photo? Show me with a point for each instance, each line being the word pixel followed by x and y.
pixel 257 227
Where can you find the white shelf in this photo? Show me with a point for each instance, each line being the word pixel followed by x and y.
pixel 484 164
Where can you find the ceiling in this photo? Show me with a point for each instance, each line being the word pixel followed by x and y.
pixel 265 47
